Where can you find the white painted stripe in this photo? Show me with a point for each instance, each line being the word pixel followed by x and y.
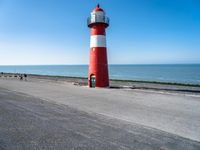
pixel 97 41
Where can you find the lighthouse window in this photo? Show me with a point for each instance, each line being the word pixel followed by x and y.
pixel 99 18
pixel 93 18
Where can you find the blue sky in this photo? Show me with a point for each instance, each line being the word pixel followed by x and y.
pixel 36 32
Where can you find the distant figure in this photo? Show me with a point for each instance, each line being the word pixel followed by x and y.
pixel 25 77
pixel 21 77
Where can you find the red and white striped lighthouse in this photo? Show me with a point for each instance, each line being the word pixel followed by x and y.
pixel 98 67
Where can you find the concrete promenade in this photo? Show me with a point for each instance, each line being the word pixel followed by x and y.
pixel 38 109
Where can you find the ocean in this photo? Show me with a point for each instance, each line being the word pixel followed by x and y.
pixel 188 74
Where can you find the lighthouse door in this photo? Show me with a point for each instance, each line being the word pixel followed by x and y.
pixel 92 81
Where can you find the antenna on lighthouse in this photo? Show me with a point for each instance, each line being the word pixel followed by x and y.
pixel 98 5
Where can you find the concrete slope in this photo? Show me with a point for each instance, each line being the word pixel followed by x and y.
pixel 29 123
pixel 174 113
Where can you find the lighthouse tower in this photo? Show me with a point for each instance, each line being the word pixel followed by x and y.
pixel 98 67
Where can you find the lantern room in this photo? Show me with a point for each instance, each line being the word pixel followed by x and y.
pixel 98 16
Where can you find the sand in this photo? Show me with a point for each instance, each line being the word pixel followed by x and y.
pixel 172 111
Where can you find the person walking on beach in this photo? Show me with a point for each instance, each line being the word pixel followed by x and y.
pixel 21 77
pixel 25 77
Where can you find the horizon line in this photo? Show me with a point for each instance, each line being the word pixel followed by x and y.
pixel 108 64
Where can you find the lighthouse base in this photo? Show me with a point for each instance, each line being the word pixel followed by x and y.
pixel 93 82
pixel 98 68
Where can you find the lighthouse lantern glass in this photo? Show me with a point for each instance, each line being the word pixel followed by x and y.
pixel 98 16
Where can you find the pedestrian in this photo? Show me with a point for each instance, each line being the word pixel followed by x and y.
pixel 25 77
pixel 21 77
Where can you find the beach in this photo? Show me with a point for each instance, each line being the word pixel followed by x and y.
pixel 129 115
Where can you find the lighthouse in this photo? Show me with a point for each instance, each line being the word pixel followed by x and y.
pixel 98 64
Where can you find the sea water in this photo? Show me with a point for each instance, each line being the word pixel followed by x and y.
pixel 187 73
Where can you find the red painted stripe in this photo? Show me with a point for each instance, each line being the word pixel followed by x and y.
pixel 98 29
pixel 99 66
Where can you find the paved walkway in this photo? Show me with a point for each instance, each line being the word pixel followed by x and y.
pixel 173 113
pixel 30 123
